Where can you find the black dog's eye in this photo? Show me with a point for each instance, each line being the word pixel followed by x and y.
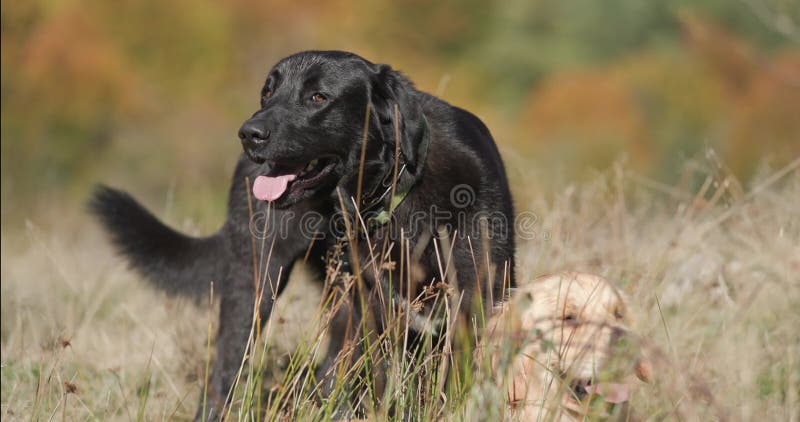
pixel 318 98
pixel 264 97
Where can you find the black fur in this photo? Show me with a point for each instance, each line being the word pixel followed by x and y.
pixel 173 262
pixel 443 149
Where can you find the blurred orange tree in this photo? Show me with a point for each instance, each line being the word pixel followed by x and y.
pixel 153 92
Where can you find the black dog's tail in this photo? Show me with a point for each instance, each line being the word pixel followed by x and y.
pixel 173 262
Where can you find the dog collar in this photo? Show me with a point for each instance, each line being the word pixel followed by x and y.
pixel 384 215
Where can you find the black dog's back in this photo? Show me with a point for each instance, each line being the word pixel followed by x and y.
pixel 171 261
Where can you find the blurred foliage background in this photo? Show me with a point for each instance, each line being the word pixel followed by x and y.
pixel 148 95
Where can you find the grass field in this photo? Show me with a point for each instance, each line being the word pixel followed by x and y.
pixel 712 268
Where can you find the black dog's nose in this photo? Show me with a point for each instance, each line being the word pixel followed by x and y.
pixel 253 134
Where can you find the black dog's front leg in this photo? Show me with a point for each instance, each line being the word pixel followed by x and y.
pixel 236 323
pixel 335 375
pixel 341 334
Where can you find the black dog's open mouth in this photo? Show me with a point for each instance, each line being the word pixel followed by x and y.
pixel 292 179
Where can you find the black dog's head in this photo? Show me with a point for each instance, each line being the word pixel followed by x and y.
pixel 308 133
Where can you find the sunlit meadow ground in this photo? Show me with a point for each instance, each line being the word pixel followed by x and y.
pixel 712 268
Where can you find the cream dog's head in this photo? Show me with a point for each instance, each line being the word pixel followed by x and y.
pixel 561 341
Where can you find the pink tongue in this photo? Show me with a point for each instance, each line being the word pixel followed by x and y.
pixel 610 392
pixel 271 188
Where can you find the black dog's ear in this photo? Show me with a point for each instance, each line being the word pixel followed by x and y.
pixel 390 88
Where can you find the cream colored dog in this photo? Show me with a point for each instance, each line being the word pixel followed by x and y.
pixel 562 348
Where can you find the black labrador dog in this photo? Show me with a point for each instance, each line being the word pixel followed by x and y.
pixel 342 155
